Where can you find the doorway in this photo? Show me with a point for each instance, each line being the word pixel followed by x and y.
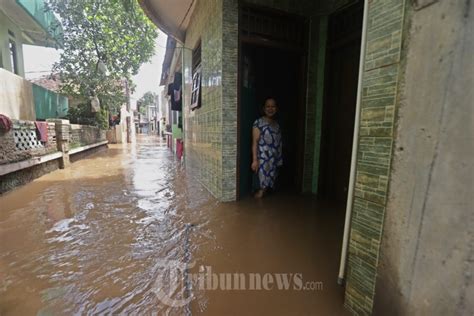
pixel 340 97
pixel 272 64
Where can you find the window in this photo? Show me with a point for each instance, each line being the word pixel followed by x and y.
pixel 197 76
pixel 196 90
pixel 13 57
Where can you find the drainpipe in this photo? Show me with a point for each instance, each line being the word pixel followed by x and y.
pixel 355 145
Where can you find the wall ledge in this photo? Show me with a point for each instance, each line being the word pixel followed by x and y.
pixel 15 166
pixel 83 148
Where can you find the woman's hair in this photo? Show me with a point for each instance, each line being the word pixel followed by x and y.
pixel 269 98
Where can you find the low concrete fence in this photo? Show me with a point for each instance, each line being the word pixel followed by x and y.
pixel 24 157
pixel 82 135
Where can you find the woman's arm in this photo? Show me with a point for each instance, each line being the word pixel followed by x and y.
pixel 255 137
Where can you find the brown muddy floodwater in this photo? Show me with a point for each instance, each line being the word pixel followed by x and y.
pixel 127 231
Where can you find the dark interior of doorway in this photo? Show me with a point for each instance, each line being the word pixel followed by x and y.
pixel 340 94
pixel 271 72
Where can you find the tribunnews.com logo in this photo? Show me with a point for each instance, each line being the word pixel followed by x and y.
pixel 175 285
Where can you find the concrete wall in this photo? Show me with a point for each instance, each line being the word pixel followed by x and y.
pixel 118 135
pixel 15 179
pixel 9 152
pixel 82 135
pixel 23 158
pixel 16 97
pixel 427 252
pixel 5 25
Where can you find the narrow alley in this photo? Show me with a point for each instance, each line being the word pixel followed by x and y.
pixel 236 157
pixel 93 238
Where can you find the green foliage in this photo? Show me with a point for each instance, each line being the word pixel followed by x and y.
pixel 82 114
pixel 98 33
pixel 147 99
pixel 102 118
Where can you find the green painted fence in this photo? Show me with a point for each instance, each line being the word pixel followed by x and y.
pixel 49 104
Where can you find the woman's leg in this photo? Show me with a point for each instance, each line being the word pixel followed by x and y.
pixel 261 182
pixel 259 194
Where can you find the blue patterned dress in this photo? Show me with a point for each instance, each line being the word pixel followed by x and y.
pixel 269 152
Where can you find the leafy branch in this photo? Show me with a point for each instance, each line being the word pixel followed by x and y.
pixel 114 33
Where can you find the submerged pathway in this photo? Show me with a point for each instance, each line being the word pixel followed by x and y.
pixel 127 231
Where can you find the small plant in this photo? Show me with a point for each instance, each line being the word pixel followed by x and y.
pixel 82 114
pixel 102 119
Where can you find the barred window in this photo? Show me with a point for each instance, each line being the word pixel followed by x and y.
pixel 197 76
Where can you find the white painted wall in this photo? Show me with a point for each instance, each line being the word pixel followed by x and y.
pixel 16 97
pixel 5 25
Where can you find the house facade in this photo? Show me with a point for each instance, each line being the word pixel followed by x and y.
pixel 27 22
pixel 370 105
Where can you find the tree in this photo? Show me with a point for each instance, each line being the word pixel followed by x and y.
pixel 147 99
pixel 105 43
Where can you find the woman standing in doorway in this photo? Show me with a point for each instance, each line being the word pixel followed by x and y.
pixel 266 148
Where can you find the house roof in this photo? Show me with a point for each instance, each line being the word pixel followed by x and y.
pixel 171 16
pixel 165 72
pixel 50 82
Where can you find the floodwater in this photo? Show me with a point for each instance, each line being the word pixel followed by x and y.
pixel 128 231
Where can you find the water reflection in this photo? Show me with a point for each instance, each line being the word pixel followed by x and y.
pixel 92 239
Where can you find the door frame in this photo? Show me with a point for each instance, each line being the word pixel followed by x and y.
pixel 330 46
pixel 302 98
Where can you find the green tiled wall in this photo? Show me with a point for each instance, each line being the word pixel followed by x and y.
pixel 315 93
pixel 317 12
pixel 312 10
pixel 379 97
pixel 313 112
pixel 229 97
pixel 211 131
pixel 319 48
pixel 204 126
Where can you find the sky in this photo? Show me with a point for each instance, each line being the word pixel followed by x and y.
pixel 39 61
